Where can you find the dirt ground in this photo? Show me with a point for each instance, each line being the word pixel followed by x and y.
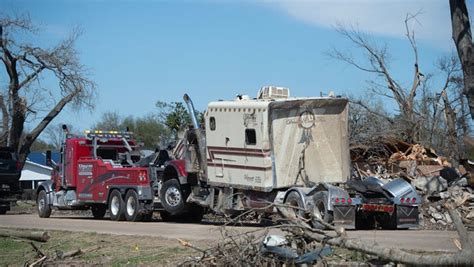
pixel 101 249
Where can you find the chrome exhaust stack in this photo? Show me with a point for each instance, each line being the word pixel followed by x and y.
pixel 198 141
pixel 191 111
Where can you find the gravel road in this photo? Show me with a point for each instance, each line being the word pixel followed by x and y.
pixel 408 239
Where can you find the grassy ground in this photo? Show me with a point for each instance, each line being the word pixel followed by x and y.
pixel 110 250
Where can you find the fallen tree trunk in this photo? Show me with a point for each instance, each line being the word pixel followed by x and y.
pixel 35 236
pixel 463 257
pixel 395 255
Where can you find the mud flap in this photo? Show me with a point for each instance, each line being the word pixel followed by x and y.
pixel 344 215
pixel 407 217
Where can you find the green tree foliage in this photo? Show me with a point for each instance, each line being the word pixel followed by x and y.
pixel 147 130
pixel 174 115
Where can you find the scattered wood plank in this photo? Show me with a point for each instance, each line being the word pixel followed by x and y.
pixel 38 262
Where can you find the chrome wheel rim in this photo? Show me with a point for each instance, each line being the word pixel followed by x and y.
pixel 293 210
pixel 173 196
pixel 131 205
pixel 114 205
pixel 319 210
pixel 41 204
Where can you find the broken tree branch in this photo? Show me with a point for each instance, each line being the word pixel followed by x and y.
pixel 38 251
pixel 38 262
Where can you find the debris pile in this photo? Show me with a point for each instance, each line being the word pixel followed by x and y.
pixel 432 175
pixel 257 248
pixel 303 244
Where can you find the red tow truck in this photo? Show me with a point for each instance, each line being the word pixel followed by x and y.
pixel 101 171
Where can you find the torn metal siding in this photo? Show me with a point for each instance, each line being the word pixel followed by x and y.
pixel 310 135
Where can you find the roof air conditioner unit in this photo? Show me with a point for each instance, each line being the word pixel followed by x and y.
pixel 273 92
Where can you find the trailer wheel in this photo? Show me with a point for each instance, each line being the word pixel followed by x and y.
pixel 98 211
pixel 172 197
pixel 294 199
pixel 321 211
pixel 116 206
pixel 132 205
pixel 44 209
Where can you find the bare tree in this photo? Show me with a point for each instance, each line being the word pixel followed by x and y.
pixel 55 134
pixel 25 98
pixel 378 64
pixel 462 38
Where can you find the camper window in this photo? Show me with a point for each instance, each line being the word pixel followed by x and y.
pixel 250 137
pixel 212 123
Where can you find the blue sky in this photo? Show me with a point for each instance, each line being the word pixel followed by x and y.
pixel 139 52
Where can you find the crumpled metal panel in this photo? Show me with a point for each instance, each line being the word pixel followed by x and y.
pixel 311 135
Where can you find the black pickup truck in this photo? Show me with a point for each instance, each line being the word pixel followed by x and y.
pixel 10 173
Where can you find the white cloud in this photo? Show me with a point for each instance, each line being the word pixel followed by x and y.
pixel 377 17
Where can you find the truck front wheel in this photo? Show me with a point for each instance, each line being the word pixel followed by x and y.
pixel 98 211
pixel 172 197
pixel 44 209
pixel 132 206
pixel 116 206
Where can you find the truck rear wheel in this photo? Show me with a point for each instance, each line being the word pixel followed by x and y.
pixel 132 206
pixel 294 199
pixel 172 197
pixel 321 212
pixel 44 209
pixel 98 211
pixel 116 206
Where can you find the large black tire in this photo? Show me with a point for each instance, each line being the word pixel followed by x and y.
pixel 172 197
pixel 116 206
pixel 147 217
pixel 166 217
pixel 44 209
pixel 195 214
pixel 321 211
pixel 388 222
pixel 132 205
pixel 294 199
pixel 98 211
pixel 364 221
